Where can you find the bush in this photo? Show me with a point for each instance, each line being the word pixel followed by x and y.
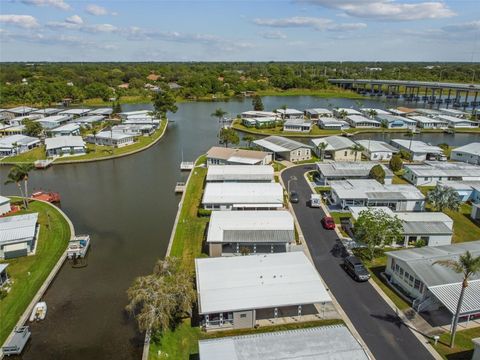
pixel 204 213
pixel 3 293
pixel 364 253
pixel 396 163
pixel 378 174
pixel 420 243
pixel 404 154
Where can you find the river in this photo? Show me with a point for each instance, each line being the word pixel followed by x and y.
pixel 128 207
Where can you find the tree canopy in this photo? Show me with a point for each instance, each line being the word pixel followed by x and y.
pixel 443 197
pixel 228 136
pixel 164 101
pixel 257 103
pixel 396 163
pixel 32 128
pixel 378 173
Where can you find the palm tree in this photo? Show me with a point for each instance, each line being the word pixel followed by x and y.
pixel 372 113
pixel 357 148
pixel 249 139
pixel 343 114
pixel 23 170
pixel 14 177
pixel 284 108
pixel 443 197
pixel 322 147
pixel 94 133
pixel 468 266
pixel 219 113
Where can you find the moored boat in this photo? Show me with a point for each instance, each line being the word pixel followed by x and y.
pixel 51 197
pixel 39 311
pixel 78 246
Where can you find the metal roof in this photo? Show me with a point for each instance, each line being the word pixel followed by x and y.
pixel 449 294
pixel 334 143
pixel 257 282
pixel 455 120
pixel 427 120
pixel 116 135
pixel 8 141
pixel 426 228
pixel 18 227
pixel 444 169
pixel 54 119
pixel 378 111
pixel 101 111
pixel 472 148
pixel 4 200
pixel 240 173
pixel 346 169
pixel 46 111
pixel 236 155
pixel 361 119
pixel 251 226
pixel 416 146
pixel 301 121
pixel 372 189
pixel 377 146
pixel 21 110
pixel 3 267
pixel 89 119
pixel 333 342
pixel 80 111
pixel 394 118
pixel 66 127
pixel 349 111
pixel 259 114
pixel 319 111
pixel 64 141
pixel 289 111
pixel 433 85
pixel 280 144
pixel 243 193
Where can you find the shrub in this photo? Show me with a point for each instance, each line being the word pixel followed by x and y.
pixel 377 173
pixel 204 213
pixel 396 163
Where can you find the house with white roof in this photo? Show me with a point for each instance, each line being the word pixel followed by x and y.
pixel 240 173
pixel 369 192
pixel 321 343
pixel 457 123
pixel 250 232
pixel 377 150
pixel 418 150
pixel 330 171
pixel 126 114
pixel 142 120
pixel 337 148
pixel 17 144
pixel 229 156
pixel 287 149
pixel 432 286
pixel 429 228
pixel 46 111
pixel 328 123
pixel 260 122
pixel 51 122
pixel 427 112
pixel 317 113
pixel 469 153
pixel 297 125
pixel 258 114
pixel 18 235
pixel 106 111
pixel 111 138
pixel 466 190
pixel 289 113
pixel 4 205
pixel 425 122
pixel 242 196
pixel 135 129
pixel 19 120
pixel 340 112
pixel 431 172
pixel 237 292
pixel 372 112
pixel 65 145
pixel 89 120
pixel 359 121
pixel 75 112
pixel 455 112
pixel 71 129
pixel 17 111
pixel 396 121
pixel 8 130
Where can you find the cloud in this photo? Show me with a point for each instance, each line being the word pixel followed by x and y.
pixel 74 19
pixel 273 35
pixel 24 21
pixel 388 9
pixel 59 4
pixel 467 26
pixel 309 22
pixel 75 22
pixel 97 10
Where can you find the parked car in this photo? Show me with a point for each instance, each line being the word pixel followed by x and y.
pixel 328 223
pixel 293 197
pixel 354 267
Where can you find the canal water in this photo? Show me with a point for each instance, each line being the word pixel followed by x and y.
pixel 128 207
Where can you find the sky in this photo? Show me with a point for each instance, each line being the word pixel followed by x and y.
pixel 237 30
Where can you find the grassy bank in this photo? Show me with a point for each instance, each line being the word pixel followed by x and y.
pixel 463 349
pixel 29 272
pixel 322 93
pixel 30 156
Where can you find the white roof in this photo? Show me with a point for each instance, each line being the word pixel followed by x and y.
pixel 445 169
pixel 361 119
pixel 395 119
pixel 350 169
pixel 334 142
pixel 472 148
pixel 116 135
pixel 455 120
pixel 349 111
pixel 251 226
pixel 280 144
pixel 243 193
pixel 75 111
pixel 333 342
pixel 21 110
pixel 101 111
pixel 4 200
pixel 427 120
pixel 64 141
pixel 8 141
pixel 370 189
pixel 259 114
pixel 299 122
pixel 289 111
pixel 453 112
pixel 240 173
pixel 319 111
pixel 89 119
pixel 257 282
pixel 54 119
pixel 46 111
pixel 66 128
pixel 18 227
pixel 417 146
pixel 136 112
pixel 377 146
pixel 378 111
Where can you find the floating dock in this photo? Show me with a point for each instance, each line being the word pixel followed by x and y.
pixel 17 342
pixel 187 165
pixel 180 187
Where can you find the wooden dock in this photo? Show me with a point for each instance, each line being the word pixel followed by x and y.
pixel 180 187
pixel 187 165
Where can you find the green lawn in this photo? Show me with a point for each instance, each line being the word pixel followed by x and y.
pixel 53 240
pixel 464 228
pixel 278 166
pixel 323 93
pixel 127 99
pixel 338 215
pixel 463 349
pixel 30 156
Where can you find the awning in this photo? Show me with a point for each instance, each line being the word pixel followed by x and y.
pixel 266 206
pixel 448 295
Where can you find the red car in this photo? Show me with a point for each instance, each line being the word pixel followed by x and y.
pixel 328 223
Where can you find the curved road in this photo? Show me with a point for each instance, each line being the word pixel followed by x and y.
pixel 380 328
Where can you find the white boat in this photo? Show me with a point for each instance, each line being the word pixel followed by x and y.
pixel 78 246
pixel 39 311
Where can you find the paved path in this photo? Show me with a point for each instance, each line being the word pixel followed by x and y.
pixel 381 329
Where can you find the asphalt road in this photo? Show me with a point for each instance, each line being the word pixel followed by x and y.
pixel 380 328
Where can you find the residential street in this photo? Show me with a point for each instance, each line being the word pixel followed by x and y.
pixel 383 332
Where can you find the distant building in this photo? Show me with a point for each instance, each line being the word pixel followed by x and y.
pixel 377 150
pixel 330 171
pixel 431 172
pixel 65 145
pixel 418 150
pixel 458 123
pixel 455 112
pixel 426 122
pixel 258 114
pixel 358 121
pixel 46 111
pixel 297 125
pixel 396 122
pixel 18 235
pixel 17 111
pixel 66 130
pixel 240 173
pixel 229 156
pixel 111 138
pixel 469 153
pixel 337 148
pixel 290 113
pixel 261 122
pixel 135 129
pixel 51 122
pixel 17 144
pixel 368 112
pixel 106 111
pixel 332 124
pixel 89 121
pixel 287 149
pixel 75 112
pixel 318 113
pixel 340 112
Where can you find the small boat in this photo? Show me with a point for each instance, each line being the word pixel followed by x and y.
pixel 51 197
pixel 78 247
pixel 42 164
pixel 39 311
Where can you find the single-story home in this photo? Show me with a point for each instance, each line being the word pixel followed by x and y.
pixel 427 112
pixel 397 122
pixel 242 196
pixel 432 286
pixel 330 171
pixel 66 130
pixel 228 156
pixel 318 113
pixel 258 114
pixel 341 112
pixel 432 228
pixel 260 122
pixel 368 112
pixel 75 112
pixel 338 148
pixel 4 205
pixel 101 111
pixel 51 122
pixel 297 125
pixel 18 235
pixel 137 130
pixel 8 130
pixel 46 111
pixel 287 149
pixel 369 192
pixel 455 112
pixel 237 292
pixel 17 111
pixel 469 153
pixel 430 172
pixel 402 111
pixel 426 122
pixel 65 145
pixel 289 113
pixel 466 190
pixel 89 120
pixel 111 138
pixel 19 120
pixel 418 150
pixel 142 120
pixel 127 114
pixel 377 150
pixel 250 232
pixel 17 144
pixel 3 274
pixel 240 173
pixel 322 343
pixel 332 124
pixel 457 123
pixel 359 121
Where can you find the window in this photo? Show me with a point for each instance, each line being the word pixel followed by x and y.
pixel 346 153
pixel 243 316
pixel 417 284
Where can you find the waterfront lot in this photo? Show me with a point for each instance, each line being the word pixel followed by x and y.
pixel 29 272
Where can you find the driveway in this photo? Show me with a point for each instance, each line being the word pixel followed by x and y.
pixel 383 332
